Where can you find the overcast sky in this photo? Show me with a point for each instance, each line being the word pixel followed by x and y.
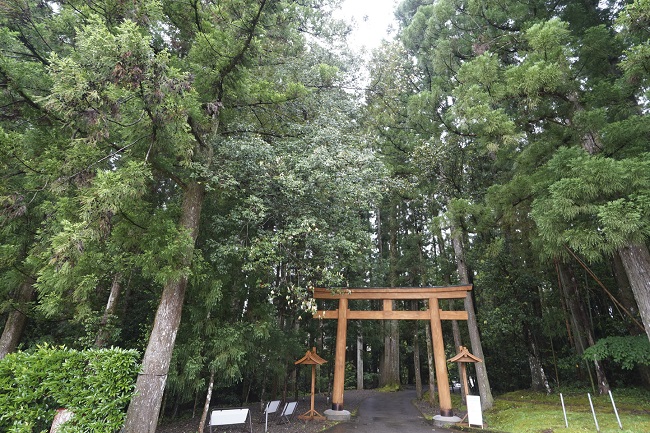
pixel 372 18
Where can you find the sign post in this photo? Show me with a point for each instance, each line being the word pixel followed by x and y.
pixel 312 359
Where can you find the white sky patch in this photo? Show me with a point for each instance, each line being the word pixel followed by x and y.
pixel 372 20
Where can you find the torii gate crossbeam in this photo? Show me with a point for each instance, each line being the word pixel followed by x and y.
pixel 434 314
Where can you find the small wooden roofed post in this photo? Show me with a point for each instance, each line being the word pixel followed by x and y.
pixel 311 358
pixel 462 358
pixel 389 294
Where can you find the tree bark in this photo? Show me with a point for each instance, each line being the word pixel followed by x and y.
pixel 416 353
pixel 416 362
pixel 574 307
pixel 143 410
pixel 206 406
pixel 636 260
pixel 389 365
pixel 487 401
pixel 625 294
pixel 458 342
pixel 16 319
pixel 539 381
pixel 111 305
pixel 582 332
pixel 294 372
pixel 432 371
pixel 359 360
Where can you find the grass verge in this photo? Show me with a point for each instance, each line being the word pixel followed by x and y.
pixel 530 412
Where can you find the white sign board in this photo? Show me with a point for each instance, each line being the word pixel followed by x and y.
pixel 289 408
pixel 474 413
pixel 272 406
pixel 228 416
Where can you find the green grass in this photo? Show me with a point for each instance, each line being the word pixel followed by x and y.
pixel 529 412
pixel 389 388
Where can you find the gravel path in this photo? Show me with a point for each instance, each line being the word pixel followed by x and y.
pixel 389 412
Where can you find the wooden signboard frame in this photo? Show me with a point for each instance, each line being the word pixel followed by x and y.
pixel 433 313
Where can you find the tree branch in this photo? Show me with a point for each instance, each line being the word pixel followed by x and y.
pixel 236 60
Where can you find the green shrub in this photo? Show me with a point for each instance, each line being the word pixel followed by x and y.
pixel 625 351
pixel 96 385
pixel 350 376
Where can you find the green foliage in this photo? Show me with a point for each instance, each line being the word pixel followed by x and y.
pixel 96 385
pixel 626 351
pixel 350 376
pixel 635 22
pixel 594 204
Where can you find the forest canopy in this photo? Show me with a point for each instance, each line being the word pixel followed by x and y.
pixel 177 177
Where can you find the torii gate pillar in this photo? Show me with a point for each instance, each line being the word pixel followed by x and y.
pixel 339 360
pixel 442 375
pixel 434 314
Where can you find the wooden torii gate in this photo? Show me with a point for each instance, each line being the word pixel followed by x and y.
pixel 388 295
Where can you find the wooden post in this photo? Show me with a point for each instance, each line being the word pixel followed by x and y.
pixel 312 359
pixel 463 377
pixel 313 385
pixel 442 376
pixel 339 360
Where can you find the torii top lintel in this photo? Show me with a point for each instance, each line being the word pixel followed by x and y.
pixel 388 295
pixel 439 292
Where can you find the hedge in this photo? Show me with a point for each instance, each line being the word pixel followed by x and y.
pixel 96 385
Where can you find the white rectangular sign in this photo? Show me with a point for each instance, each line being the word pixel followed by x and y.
pixel 228 416
pixel 474 413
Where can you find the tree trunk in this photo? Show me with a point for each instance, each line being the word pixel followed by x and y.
pixel 389 365
pixel 417 279
pixel 359 361
pixel 416 362
pixel 574 307
pixel 458 342
pixel 603 384
pixel 206 406
pixel 487 401
pixel 636 260
pixel 103 333
pixel 144 407
pixel 625 294
pixel 582 332
pixel 432 372
pixel 16 319
pixel 538 382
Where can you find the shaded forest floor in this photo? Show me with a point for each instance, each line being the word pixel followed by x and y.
pixel 353 399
